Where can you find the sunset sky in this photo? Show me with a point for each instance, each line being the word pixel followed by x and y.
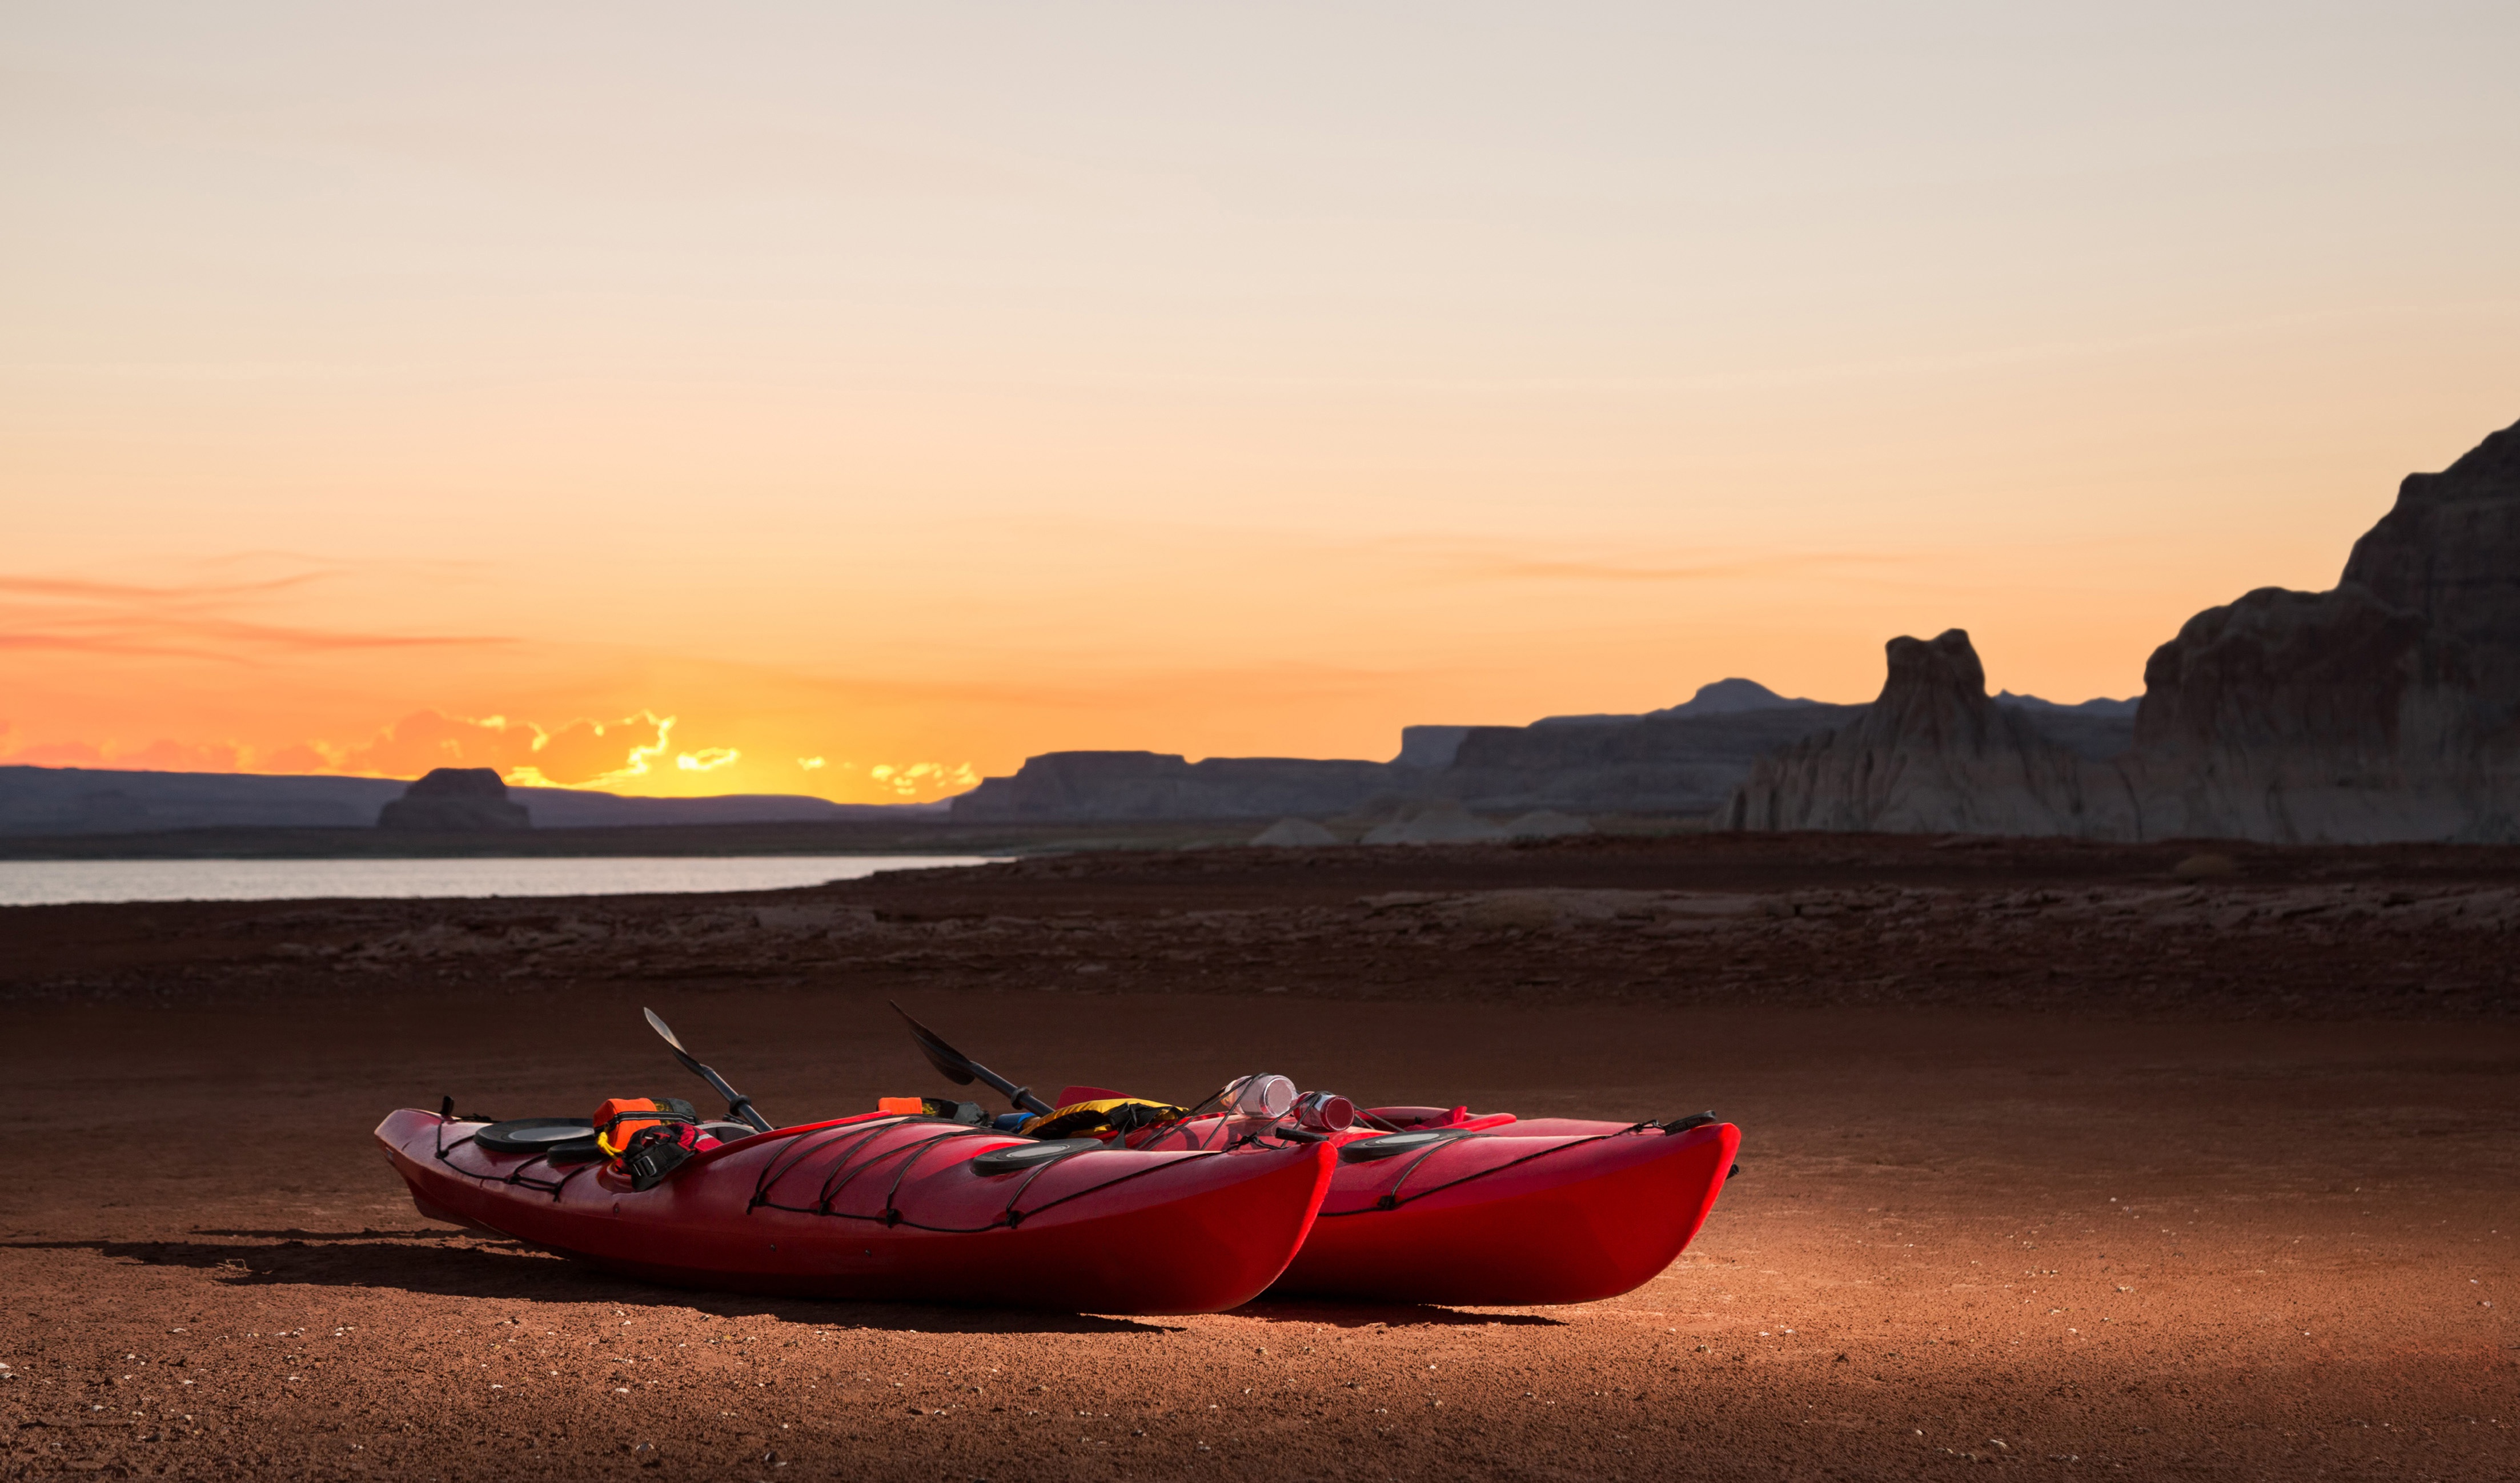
pixel 887 393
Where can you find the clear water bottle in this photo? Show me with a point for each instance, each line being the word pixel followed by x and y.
pixel 1263 1096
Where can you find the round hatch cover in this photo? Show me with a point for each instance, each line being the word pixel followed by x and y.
pixel 539 1135
pixel 1016 1156
pixel 1365 1150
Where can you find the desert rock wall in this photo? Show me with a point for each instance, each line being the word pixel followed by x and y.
pixel 2385 710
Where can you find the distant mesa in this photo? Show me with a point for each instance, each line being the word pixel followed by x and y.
pixel 1933 753
pixel 69 800
pixel 1430 746
pixel 1678 761
pixel 2384 709
pixel 1124 785
pixel 455 798
pixel 1685 759
pixel 2099 707
pixel 1723 697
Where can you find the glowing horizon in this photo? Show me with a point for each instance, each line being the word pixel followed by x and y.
pixel 885 397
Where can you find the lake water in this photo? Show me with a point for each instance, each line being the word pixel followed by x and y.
pixel 48 883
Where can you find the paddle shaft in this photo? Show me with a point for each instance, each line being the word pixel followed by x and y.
pixel 736 1102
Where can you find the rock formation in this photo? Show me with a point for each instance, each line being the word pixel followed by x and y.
pixel 1685 759
pixel 69 800
pixel 2099 707
pixel 2099 730
pixel 1934 753
pixel 1430 746
pixel 1680 761
pixel 2387 709
pixel 2383 709
pixel 1675 763
pixel 455 798
pixel 1087 786
pixel 1722 698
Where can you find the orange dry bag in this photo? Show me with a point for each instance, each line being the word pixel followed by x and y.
pixel 617 1121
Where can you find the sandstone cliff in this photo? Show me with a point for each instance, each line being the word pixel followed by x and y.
pixel 2383 709
pixel 2387 709
pixel 1934 753
pixel 1682 760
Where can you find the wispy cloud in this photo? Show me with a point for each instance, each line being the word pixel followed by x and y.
pixel 582 753
pixel 221 642
pixel 191 620
pixel 178 593
pixel 909 779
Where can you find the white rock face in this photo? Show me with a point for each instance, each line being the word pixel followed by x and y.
pixel 1934 754
pixel 2385 710
pixel 1294 833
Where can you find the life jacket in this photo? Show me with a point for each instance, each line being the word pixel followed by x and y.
pixel 1106 1114
pixel 657 1150
pixel 619 1120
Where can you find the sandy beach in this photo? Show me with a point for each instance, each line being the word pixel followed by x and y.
pixel 2053 1158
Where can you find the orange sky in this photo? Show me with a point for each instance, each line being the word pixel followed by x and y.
pixel 885 397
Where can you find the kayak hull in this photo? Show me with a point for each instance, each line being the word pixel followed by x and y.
pixel 1488 1211
pixel 1510 1219
pixel 893 1209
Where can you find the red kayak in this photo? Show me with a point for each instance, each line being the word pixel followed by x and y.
pixel 1484 1211
pixel 1431 1206
pixel 897 1208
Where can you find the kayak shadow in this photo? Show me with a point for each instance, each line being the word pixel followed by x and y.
pixel 464 1263
pixel 1367 1315
pixel 367 1233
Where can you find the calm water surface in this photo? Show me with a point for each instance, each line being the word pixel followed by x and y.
pixel 47 883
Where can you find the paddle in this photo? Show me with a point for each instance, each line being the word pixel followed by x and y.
pixel 736 1102
pixel 961 1070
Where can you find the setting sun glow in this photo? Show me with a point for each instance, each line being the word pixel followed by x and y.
pixel 854 400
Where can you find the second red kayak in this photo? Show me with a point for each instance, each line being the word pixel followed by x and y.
pixel 1483 1211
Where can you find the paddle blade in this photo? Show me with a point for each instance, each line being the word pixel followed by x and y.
pixel 950 1064
pixel 736 1103
pixel 690 1062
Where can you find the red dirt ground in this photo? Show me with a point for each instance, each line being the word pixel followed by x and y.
pixel 2052 1159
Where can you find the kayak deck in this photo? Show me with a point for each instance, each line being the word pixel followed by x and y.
pixel 899 1209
